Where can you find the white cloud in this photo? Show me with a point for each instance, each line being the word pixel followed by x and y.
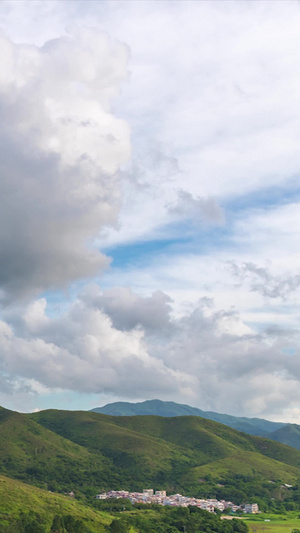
pixel 205 357
pixel 198 210
pixel 83 351
pixel 128 311
pixel 216 93
pixel 62 148
pixel 261 280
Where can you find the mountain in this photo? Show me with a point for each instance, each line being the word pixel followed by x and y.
pixel 90 452
pixel 252 426
pixel 289 434
pixel 190 454
pixel 32 453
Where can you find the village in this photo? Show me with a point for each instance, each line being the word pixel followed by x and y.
pixel 177 500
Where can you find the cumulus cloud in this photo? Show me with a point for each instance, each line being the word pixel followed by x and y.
pixel 83 351
pixel 127 310
pixel 61 150
pixel 205 356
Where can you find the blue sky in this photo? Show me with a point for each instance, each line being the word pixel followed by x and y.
pixel 150 218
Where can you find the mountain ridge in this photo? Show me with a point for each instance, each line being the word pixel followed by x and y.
pixel 252 426
pixel 286 433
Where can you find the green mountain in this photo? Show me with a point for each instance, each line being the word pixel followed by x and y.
pixel 90 452
pixel 285 433
pixel 187 454
pixel 289 434
pixel 253 426
pixel 32 453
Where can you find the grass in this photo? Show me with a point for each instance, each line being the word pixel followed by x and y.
pixel 154 445
pixel 275 523
pixel 17 497
pixel 246 463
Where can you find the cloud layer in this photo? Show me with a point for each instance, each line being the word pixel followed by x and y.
pixel 138 348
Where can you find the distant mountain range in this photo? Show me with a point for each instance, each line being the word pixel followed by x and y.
pixel 285 433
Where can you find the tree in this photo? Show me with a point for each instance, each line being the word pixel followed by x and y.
pixel 57 525
pixel 119 526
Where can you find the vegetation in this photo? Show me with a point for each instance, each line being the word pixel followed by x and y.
pixel 26 509
pixel 175 453
pixel 290 435
pixel 280 432
pixel 274 523
pixel 253 426
pixel 175 520
pixel 33 454
pixel 88 452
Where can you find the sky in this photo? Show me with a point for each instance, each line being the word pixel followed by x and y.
pixel 150 204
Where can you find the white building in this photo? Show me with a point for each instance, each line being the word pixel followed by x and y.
pixel 250 508
pixel 148 492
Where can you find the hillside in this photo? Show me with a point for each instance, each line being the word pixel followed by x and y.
pixel 140 458
pixel 20 502
pixel 25 509
pixel 187 454
pixel 90 452
pixel 289 434
pixel 32 453
pixel 253 426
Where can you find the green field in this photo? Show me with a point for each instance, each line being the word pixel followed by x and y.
pixel 272 523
